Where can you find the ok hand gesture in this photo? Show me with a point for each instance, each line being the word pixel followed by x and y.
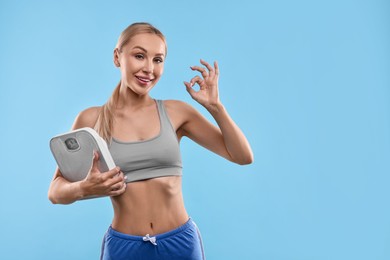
pixel 207 95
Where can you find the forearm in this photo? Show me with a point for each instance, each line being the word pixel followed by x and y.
pixel 228 141
pixel 64 192
pixel 237 146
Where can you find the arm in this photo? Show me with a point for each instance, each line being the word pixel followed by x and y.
pixel 96 183
pixel 227 140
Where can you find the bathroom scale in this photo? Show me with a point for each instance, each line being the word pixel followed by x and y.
pixel 73 152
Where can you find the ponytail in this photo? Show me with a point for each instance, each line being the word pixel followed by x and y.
pixel 105 119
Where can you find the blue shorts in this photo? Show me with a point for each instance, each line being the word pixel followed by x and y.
pixel 183 242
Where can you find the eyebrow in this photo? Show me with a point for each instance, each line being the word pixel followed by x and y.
pixel 143 49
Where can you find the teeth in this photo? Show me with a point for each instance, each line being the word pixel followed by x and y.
pixel 144 80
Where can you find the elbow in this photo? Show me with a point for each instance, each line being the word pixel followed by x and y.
pixel 51 195
pixel 245 160
pixel 52 199
pixel 59 193
pixel 55 200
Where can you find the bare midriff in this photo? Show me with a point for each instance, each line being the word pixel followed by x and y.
pixel 151 207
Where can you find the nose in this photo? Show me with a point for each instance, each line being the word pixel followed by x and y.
pixel 148 66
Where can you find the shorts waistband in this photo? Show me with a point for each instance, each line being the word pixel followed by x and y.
pixel 188 225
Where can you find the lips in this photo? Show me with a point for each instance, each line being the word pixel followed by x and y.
pixel 144 80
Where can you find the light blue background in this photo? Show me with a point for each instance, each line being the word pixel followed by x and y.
pixel 307 81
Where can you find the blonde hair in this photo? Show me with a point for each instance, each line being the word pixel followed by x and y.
pixel 104 123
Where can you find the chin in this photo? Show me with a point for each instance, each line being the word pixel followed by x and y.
pixel 141 91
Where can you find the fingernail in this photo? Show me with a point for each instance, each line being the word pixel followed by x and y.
pixel 125 177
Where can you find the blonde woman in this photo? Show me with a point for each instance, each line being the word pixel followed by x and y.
pixel 150 220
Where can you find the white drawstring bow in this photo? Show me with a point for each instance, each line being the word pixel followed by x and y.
pixel 150 239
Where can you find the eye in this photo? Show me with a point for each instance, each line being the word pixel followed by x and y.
pixel 139 56
pixel 158 60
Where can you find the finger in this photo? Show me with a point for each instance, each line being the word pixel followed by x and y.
pixel 216 68
pixel 208 66
pixel 187 84
pixel 111 173
pixel 189 89
pixel 95 161
pixel 119 178
pixel 196 79
pixel 116 186
pixel 201 70
pixel 118 192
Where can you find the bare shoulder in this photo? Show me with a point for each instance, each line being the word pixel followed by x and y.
pixel 179 107
pixel 182 114
pixel 87 118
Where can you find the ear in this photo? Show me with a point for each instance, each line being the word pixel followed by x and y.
pixel 116 57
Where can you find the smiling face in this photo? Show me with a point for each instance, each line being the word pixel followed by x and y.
pixel 141 62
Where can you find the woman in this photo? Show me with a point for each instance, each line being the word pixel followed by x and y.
pixel 150 220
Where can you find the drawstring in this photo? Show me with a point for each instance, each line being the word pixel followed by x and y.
pixel 150 239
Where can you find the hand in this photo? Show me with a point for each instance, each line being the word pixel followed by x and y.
pixel 207 95
pixel 110 183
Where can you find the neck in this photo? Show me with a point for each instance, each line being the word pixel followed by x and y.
pixel 131 100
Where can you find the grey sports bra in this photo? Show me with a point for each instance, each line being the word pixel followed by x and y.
pixel 152 158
